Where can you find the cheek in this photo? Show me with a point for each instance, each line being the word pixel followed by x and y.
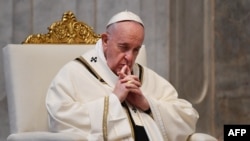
pixel 115 62
pixel 114 55
pixel 111 57
pixel 116 59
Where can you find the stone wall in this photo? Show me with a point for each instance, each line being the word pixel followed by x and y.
pixel 232 62
pixel 191 57
pixel 209 52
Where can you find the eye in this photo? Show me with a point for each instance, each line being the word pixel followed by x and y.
pixel 123 48
pixel 137 49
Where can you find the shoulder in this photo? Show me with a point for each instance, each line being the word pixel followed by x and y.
pixel 151 76
pixel 148 72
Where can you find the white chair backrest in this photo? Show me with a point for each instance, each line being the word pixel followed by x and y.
pixel 29 70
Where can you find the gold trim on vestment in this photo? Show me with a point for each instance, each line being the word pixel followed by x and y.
pixel 105 118
pixel 130 122
pixel 91 70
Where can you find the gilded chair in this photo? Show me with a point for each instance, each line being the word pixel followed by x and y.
pixel 30 67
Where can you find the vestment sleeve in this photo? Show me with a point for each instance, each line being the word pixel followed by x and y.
pixel 175 117
pixel 69 113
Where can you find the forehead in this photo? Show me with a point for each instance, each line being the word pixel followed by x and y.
pixel 127 30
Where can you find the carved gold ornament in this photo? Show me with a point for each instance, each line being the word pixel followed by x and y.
pixel 66 31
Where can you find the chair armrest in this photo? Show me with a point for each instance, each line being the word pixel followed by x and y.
pixel 43 136
pixel 201 137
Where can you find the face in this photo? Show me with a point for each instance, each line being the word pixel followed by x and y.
pixel 122 43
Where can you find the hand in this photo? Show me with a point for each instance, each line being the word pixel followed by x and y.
pixel 128 88
pixel 137 99
pixel 121 90
pixel 125 83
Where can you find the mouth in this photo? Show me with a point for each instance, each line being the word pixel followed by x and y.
pixel 120 66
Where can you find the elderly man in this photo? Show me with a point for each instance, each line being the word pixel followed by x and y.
pixel 106 95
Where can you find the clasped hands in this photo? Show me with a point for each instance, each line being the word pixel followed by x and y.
pixel 128 89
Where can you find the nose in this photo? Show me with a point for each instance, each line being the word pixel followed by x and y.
pixel 129 57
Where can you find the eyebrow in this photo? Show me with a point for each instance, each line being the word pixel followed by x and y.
pixel 126 44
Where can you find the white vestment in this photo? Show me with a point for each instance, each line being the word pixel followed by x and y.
pixel 78 102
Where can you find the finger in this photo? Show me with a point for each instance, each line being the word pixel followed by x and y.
pixel 123 72
pixel 132 85
pixel 131 88
pixel 124 69
pixel 136 83
pixel 135 92
pixel 121 75
pixel 128 71
pixel 131 79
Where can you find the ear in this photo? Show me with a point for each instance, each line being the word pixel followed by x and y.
pixel 104 40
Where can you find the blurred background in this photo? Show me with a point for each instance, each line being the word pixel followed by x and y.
pixel 201 46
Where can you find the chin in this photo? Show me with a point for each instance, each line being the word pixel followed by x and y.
pixel 117 71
